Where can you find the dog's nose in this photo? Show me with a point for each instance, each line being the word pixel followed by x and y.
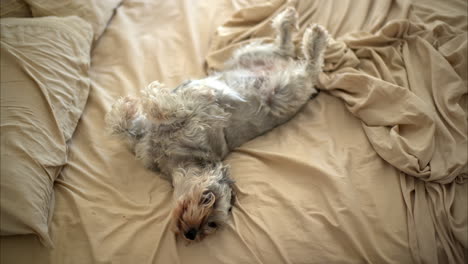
pixel 191 234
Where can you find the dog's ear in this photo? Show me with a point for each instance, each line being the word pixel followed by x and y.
pixel 208 199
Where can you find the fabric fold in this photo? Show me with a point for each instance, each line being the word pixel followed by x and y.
pixel 404 76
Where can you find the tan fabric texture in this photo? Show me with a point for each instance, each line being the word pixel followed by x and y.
pixel 370 171
pixel 44 87
pixel 404 76
pixel 14 8
pixel 96 12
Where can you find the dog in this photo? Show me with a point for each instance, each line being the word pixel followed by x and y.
pixel 186 132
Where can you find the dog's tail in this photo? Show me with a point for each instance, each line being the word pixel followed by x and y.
pixel 125 120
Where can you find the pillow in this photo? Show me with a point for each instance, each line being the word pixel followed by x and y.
pixel 96 12
pixel 15 8
pixel 44 88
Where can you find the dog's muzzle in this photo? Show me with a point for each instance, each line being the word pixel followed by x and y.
pixel 191 234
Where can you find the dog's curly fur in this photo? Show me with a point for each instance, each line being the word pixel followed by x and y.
pixel 187 131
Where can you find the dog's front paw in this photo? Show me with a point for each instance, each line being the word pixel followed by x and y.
pixel 123 111
pixel 153 90
pixel 150 97
pixel 159 104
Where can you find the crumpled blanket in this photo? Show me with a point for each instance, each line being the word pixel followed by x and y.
pixel 401 68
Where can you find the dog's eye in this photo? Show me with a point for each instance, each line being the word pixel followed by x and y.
pixel 212 224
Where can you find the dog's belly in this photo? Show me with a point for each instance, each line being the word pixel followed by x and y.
pixel 247 93
pixel 256 85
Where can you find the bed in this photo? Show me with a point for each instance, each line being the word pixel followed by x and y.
pixel 373 170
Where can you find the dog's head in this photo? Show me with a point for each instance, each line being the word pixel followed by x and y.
pixel 204 199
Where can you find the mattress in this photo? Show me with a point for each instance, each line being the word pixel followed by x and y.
pixel 372 170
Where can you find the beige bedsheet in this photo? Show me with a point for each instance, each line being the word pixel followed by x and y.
pixel 353 178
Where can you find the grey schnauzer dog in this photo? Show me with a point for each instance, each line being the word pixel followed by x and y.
pixel 186 132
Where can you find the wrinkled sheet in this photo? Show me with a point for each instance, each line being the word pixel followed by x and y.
pixel 401 69
pixel 370 171
pixel 39 112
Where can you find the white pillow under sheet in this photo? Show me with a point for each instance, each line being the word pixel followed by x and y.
pixel 96 12
pixel 44 87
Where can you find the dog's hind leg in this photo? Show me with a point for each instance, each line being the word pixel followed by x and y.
pixel 285 24
pixel 257 55
pixel 295 86
pixel 314 43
